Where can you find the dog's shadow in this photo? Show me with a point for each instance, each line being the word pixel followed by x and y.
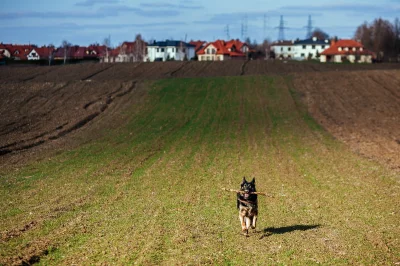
pixel 287 229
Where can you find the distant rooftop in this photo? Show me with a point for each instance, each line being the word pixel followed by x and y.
pixel 171 43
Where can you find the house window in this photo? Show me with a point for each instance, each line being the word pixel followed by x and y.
pixel 158 50
pixel 289 48
pixel 304 47
pixel 323 46
pixel 183 50
pixel 303 55
pixel 208 51
pixel 162 50
pixel 281 49
pixel 313 46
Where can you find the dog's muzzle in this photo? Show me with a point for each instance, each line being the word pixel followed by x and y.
pixel 246 194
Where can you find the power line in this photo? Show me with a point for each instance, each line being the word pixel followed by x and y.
pixel 281 27
pixel 244 28
pixel 309 27
pixel 265 27
pixel 226 30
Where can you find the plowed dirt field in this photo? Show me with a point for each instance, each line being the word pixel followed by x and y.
pixel 124 164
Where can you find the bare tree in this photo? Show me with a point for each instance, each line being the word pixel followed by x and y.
pixel 107 44
pixel 363 34
pixel 139 48
pixel 396 31
pixel 379 37
pixel 65 44
pixel 320 34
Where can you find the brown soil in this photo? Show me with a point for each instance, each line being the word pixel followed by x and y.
pixel 361 108
pixel 39 105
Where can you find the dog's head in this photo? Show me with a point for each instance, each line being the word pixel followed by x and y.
pixel 248 187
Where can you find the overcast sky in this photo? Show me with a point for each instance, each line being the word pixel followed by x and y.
pixel 88 21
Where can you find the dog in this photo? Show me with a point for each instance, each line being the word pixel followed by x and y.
pixel 247 205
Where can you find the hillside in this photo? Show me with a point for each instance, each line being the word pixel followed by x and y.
pixel 140 181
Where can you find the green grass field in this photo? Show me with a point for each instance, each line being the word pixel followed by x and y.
pixel 149 191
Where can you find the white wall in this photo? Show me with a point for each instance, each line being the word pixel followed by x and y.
pixel 33 55
pixel 171 51
pixel 303 50
pixel 284 50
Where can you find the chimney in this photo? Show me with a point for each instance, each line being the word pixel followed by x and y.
pixel 333 42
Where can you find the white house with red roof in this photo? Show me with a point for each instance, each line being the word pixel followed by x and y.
pixel 198 45
pixel 41 53
pixel 220 50
pixel 16 51
pixel 5 50
pixel 126 52
pixel 343 50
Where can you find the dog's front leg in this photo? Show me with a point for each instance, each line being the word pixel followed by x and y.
pixel 248 223
pixel 242 222
pixel 254 222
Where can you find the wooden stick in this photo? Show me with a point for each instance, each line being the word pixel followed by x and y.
pixel 242 192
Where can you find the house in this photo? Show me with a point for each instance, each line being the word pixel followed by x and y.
pixel 170 50
pixel 33 54
pixel 198 45
pixel 346 50
pixel 283 49
pixel 93 52
pixel 309 48
pixel 16 51
pixel 65 52
pixel 241 46
pixel 300 49
pixel 5 50
pixel 126 52
pixel 220 50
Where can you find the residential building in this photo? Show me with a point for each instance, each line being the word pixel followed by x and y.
pixel 220 50
pixel 309 48
pixel 283 49
pixel 170 50
pixel 16 51
pixel 41 53
pixel 5 50
pixel 300 49
pixel 198 45
pixel 126 52
pixel 346 50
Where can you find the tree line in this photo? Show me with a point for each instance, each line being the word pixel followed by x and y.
pixel 381 37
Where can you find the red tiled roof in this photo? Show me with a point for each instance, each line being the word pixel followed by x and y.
pixel 44 51
pixel 199 44
pixel 237 43
pixel 223 48
pixel 18 50
pixel 350 44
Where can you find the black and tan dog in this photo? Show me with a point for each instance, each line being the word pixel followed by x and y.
pixel 247 205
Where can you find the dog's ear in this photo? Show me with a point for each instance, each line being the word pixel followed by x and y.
pixel 253 181
pixel 244 180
